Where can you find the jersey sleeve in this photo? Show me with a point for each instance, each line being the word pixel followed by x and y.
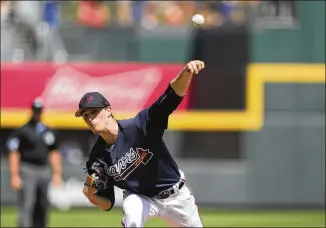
pixel 51 137
pixel 14 141
pixel 154 120
pixel 108 192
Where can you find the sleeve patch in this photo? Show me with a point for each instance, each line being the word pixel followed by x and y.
pixel 13 144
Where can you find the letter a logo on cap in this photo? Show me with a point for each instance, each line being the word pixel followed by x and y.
pixel 88 99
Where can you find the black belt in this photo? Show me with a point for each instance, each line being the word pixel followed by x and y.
pixel 167 193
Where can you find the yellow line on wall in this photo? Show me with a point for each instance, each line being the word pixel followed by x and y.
pixel 250 119
pixel 191 120
pixel 260 74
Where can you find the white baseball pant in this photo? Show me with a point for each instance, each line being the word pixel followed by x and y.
pixel 178 210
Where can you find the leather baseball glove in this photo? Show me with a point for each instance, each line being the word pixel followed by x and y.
pixel 97 177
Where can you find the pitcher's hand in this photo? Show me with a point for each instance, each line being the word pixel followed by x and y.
pixel 89 188
pixel 194 66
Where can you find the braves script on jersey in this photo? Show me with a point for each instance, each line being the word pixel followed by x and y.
pixel 139 159
pixel 129 163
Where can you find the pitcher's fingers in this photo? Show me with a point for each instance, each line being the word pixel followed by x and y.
pixel 190 68
pixel 194 66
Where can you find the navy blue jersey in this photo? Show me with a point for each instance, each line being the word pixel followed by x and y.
pixel 139 160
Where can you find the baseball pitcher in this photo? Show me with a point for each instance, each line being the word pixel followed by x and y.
pixel 132 155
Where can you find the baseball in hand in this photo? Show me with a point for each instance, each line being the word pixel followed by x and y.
pixel 198 20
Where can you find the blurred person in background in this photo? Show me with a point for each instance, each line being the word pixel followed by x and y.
pixel 137 10
pixel 93 13
pixel 5 10
pixel 5 36
pixel 167 13
pixel 232 11
pixel 18 34
pixel 189 9
pixel 218 13
pixel 124 11
pixel 33 149
pixel 211 13
pixel 149 18
pixel 51 45
pixel 29 31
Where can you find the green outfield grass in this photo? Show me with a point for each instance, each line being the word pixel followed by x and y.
pixel 215 218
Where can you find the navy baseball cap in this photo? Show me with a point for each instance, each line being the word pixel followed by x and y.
pixel 91 100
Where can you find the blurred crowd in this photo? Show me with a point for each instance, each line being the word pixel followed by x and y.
pixel 150 14
pixel 32 26
pixel 146 13
pixel 29 31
